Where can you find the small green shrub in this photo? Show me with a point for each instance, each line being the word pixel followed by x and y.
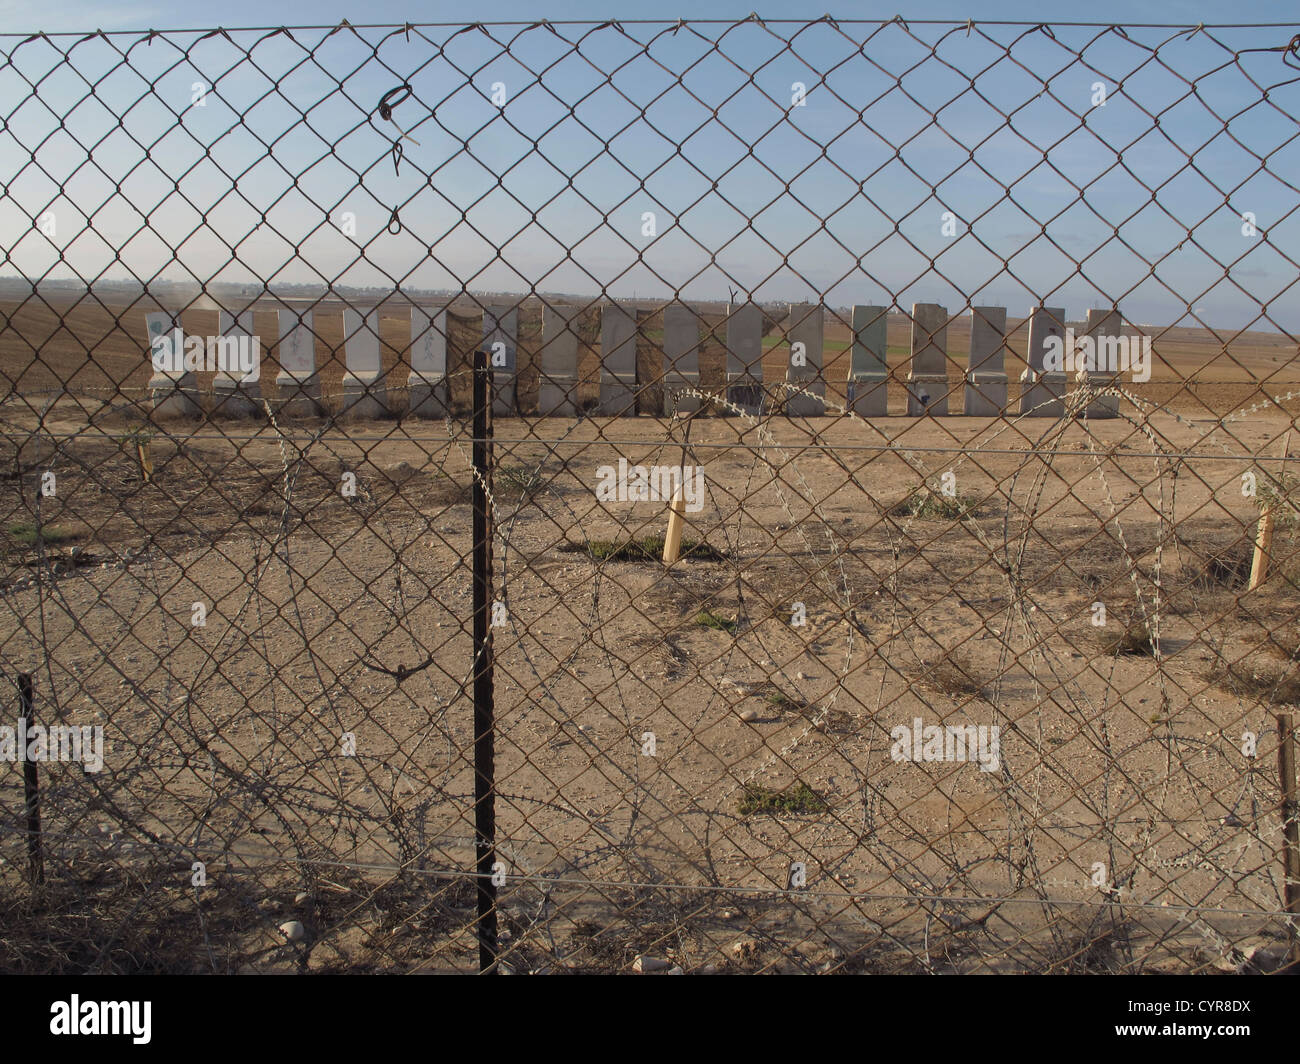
pixel 25 533
pixel 798 798
pixel 646 549
pixel 709 619
pixel 930 505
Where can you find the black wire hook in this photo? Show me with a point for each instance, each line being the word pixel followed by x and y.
pixel 1292 49
pixel 387 103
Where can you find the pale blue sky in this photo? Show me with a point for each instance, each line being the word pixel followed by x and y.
pixel 18 16
pixel 476 178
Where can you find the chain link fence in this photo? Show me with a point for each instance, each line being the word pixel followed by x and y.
pixel 860 587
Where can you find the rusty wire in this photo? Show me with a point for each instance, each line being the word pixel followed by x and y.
pixel 946 568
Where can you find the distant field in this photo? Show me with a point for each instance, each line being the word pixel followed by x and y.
pixel 88 346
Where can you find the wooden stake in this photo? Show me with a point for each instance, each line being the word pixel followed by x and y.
pixel 676 522
pixel 1290 828
pixel 146 459
pixel 1264 533
pixel 1263 545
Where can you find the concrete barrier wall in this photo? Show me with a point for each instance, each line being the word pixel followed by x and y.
pixel 612 359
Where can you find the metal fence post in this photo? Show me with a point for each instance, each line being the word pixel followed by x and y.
pixel 484 769
pixel 31 782
pixel 1290 829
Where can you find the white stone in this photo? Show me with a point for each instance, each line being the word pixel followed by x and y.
pixel 399 472
pixel 651 964
pixel 293 930
pixel 744 949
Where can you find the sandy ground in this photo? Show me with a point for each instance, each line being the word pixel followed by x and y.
pixel 225 742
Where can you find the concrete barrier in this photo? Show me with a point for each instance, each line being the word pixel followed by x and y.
pixel 806 334
pixel 986 376
pixel 927 378
pixel 868 384
pixel 426 387
pixel 173 390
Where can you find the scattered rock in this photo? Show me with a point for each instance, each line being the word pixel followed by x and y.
pixel 707 969
pixel 748 714
pixel 651 964
pixel 293 930
pixel 1263 957
pixel 744 949
pixel 398 472
pixel 301 898
pixel 1214 959
pixel 675 970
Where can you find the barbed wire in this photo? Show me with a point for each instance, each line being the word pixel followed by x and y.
pixel 872 689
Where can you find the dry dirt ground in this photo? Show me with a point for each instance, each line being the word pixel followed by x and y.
pixel 1124 828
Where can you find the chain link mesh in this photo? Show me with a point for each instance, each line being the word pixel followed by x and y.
pixel 925 691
